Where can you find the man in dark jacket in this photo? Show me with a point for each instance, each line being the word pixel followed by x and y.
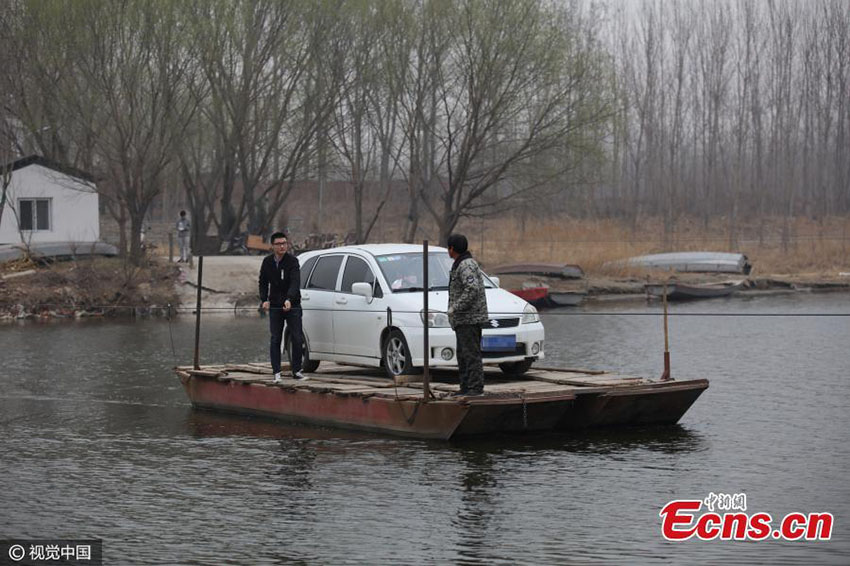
pixel 467 311
pixel 280 294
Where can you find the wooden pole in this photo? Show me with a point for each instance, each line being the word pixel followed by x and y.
pixel 198 314
pixel 666 375
pixel 426 378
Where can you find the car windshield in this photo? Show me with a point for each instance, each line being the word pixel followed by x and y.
pixel 404 271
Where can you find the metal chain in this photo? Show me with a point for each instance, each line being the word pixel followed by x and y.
pixel 524 413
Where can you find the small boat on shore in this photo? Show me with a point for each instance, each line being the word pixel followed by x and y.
pixel 566 298
pixel 537 296
pixel 684 291
pixel 694 262
pixel 560 270
pixel 544 399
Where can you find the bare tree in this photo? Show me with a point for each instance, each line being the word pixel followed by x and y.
pixel 6 163
pixel 352 138
pixel 8 133
pixel 366 118
pixel 134 72
pixel 272 69
pixel 201 168
pixel 519 105
pixel 37 73
pixel 393 48
pixel 416 51
pixel 641 50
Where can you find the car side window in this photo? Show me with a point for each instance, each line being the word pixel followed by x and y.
pixel 325 273
pixel 305 270
pixel 358 271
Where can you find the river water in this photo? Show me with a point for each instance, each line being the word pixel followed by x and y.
pixel 98 441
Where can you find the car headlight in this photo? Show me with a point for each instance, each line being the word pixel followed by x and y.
pixel 436 319
pixel 529 315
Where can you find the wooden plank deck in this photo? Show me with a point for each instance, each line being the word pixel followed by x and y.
pixel 368 382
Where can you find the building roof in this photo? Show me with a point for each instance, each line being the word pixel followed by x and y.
pixel 48 163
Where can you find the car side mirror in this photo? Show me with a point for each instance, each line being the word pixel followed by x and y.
pixel 363 289
pixel 495 281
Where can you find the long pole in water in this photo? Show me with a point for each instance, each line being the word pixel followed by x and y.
pixel 426 378
pixel 198 314
pixel 666 375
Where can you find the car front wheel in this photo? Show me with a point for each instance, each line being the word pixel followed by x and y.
pixel 396 355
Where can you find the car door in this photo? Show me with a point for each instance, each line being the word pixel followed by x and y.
pixel 357 322
pixel 317 301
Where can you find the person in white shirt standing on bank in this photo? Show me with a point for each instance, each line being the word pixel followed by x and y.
pixel 184 228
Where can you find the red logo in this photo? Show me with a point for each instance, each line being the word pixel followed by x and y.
pixel 681 520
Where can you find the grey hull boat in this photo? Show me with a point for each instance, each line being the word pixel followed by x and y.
pixel 566 298
pixel 696 262
pixel 685 291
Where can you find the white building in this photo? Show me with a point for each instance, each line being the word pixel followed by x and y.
pixel 48 203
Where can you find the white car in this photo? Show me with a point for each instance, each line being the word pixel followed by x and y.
pixel 363 305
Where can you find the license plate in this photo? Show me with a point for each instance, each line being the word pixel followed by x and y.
pixel 502 343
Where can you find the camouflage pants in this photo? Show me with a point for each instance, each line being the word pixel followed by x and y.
pixel 469 357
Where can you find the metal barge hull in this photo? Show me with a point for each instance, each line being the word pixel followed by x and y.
pixel 353 398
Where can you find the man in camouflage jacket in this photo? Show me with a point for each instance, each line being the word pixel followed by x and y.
pixel 467 312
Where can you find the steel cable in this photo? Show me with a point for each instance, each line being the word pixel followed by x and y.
pixel 547 313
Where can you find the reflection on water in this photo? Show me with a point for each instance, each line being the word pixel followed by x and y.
pixel 666 439
pixel 98 441
pixel 202 424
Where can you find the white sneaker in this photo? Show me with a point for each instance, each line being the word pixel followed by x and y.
pixel 276 378
pixel 299 376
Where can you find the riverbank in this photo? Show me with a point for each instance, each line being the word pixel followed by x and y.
pixel 108 287
pixel 90 287
pixel 230 283
pixel 607 287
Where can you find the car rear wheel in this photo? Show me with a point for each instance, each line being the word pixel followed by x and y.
pixel 516 368
pixel 307 364
pixel 396 355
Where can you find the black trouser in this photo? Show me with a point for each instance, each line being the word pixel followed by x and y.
pixel 469 358
pixel 292 318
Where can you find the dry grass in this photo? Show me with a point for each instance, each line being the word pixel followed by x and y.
pixel 821 248
pixel 94 285
pixel 540 235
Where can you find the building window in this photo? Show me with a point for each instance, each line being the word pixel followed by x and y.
pixel 34 214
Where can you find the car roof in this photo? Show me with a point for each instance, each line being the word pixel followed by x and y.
pixel 378 249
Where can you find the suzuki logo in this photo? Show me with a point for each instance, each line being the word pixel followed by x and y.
pixel 494 323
